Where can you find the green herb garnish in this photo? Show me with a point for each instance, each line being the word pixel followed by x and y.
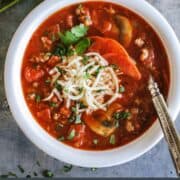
pixel 72 118
pixel 121 89
pixel 112 139
pixel 74 35
pixel 114 66
pixel 74 109
pixel 67 168
pixel 53 104
pixel 86 75
pixel 58 86
pixel 121 115
pixel 38 163
pixel 61 138
pixel 82 45
pixel 28 176
pixel 37 98
pixel 82 106
pixel 60 70
pixel 85 60
pixel 71 51
pixel 60 50
pixel 21 169
pixel 93 169
pixel 78 120
pixel 71 134
pixel 98 70
pixel 12 174
pixel 47 81
pixel 35 174
pixel 47 173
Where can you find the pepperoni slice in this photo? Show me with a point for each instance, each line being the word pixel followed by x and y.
pixel 115 53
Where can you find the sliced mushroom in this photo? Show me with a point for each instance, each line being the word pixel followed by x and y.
pixel 101 122
pixel 125 29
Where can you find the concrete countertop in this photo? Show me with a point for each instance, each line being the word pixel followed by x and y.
pixel 16 149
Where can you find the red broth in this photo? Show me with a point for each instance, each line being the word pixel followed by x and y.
pixel 141 43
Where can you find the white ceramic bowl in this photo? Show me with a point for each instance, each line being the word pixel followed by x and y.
pixel 49 144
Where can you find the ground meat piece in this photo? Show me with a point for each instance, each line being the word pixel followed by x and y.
pixel 70 21
pixel 129 126
pixel 47 43
pixel 139 42
pixel 84 15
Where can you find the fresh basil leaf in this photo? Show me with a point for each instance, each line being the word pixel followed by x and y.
pixel 82 46
pixel 78 120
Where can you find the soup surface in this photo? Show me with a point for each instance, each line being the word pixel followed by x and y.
pixel 85 75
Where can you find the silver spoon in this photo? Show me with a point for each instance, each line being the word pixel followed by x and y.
pixel 166 123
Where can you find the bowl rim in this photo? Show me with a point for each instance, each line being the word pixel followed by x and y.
pixel 41 138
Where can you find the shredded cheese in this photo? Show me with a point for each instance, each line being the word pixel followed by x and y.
pixel 94 82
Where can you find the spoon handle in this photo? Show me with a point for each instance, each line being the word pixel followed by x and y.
pixel 166 123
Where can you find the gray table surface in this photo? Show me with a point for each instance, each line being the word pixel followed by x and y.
pixel 16 149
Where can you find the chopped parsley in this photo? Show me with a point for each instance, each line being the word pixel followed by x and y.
pixel 61 138
pixel 37 98
pixel 72 118
pixel 28 176
pixel 47 173
pixel 93 169
pixel 21 169
pixel 78 119
pixel 47 81
pixel 98 70
pixel 58 86
pixel 67 168
pixel 53 104
pixel 121 115
pixel 85 60
pixel 60 50
pixel 60 70
pixel 121 89
pixel 114 66
pixel 35 174
pixel 71 51
pixel 38 163
pixel 74 109
pixel 71 134
pixel 86 75
pixel 82 106
pixel 112 139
